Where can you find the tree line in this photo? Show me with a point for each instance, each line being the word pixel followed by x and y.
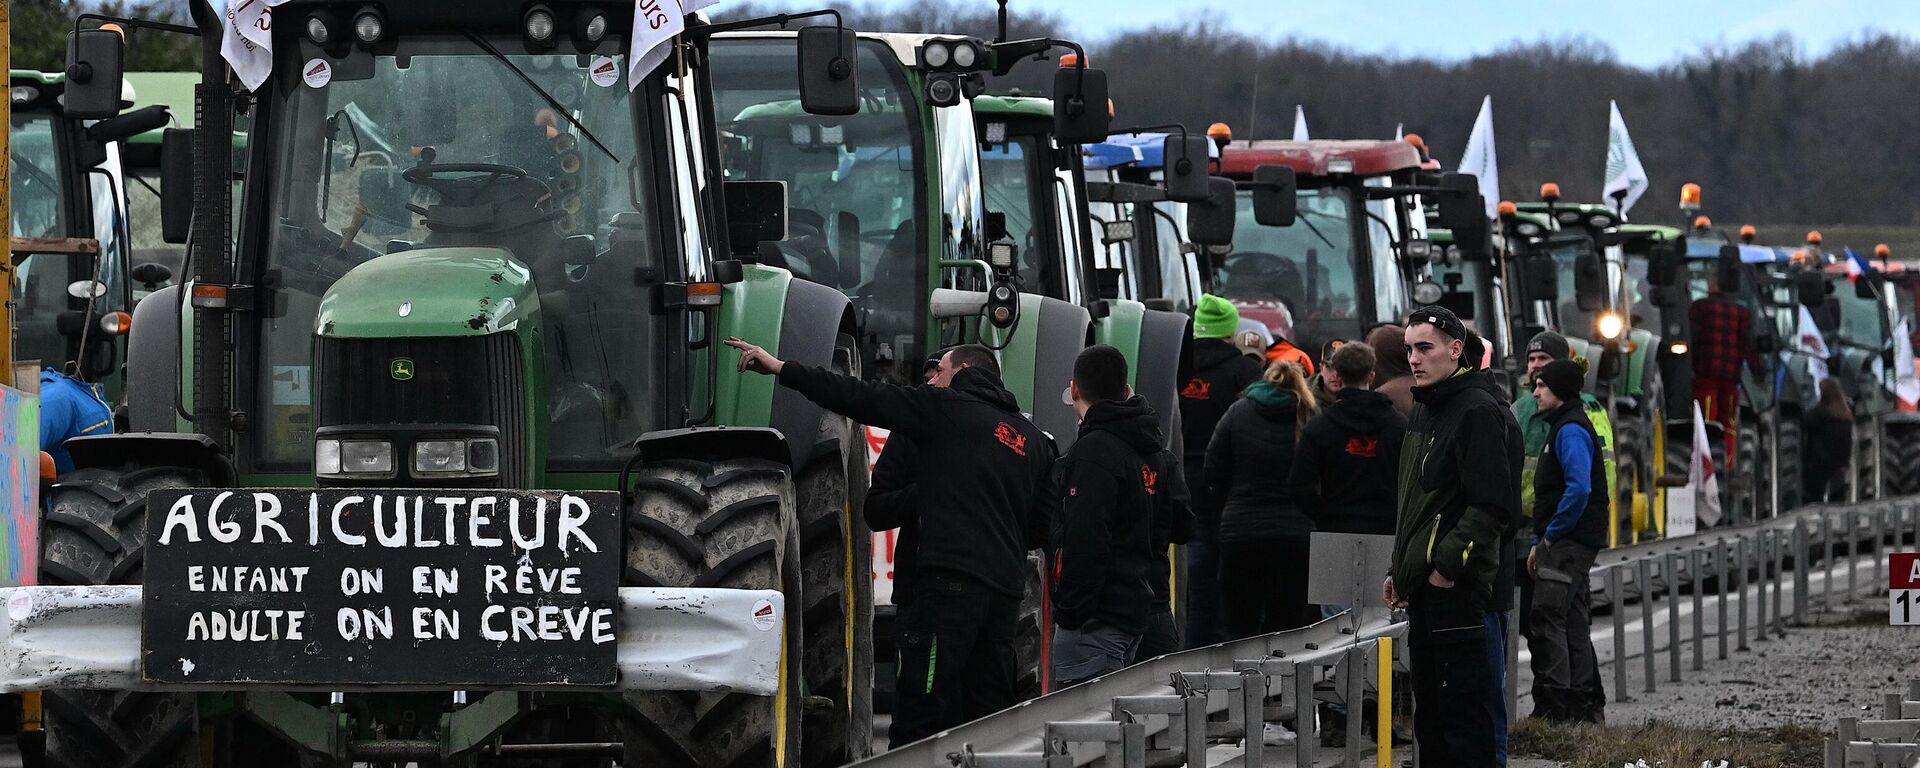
pixel 1774 135
pixel 1771 133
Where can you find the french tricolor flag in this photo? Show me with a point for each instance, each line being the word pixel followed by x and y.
pixel 1856 265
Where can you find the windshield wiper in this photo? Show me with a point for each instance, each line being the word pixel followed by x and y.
pixel 1306 218
pixel 551 101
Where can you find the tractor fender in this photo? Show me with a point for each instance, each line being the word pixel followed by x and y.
pixel 154 449
pixel 1037 362
pixel 812 323
pixel 153 362
pixel 1165 363
pixel 710 443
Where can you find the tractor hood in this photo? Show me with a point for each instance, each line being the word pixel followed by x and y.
pixel 451 291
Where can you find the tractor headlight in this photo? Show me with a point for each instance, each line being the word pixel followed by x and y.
pixel 352 458
pixel 456 458
pixel 1610 325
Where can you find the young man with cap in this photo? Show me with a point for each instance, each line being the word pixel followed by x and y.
pixel 1569 529
pixel 983 475
pixel 1117 486
pixel 1544 348
pixel 1221 371
pixel 1458 505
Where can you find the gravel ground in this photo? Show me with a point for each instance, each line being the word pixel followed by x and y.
pixel 1813 676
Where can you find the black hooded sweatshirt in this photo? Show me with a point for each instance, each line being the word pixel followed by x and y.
pixel 1117 485
pixel 1220 373
pixel 1347 466
pixel 1248 462
pixel 982 480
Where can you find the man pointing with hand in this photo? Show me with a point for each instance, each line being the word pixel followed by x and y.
pixel 984 490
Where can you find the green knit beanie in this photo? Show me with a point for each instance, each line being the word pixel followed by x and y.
pixel 1214 318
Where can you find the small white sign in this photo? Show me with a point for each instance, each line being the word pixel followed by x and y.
pixel 764 614
pixel 1901 608
pixel 317 73
pixel 603 71
pixel 20 605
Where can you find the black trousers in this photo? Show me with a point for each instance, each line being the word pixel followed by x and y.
pixel 957 657
pixel 1162 636
pixel 1565 669
pixel 1264 587
pixel 1453 713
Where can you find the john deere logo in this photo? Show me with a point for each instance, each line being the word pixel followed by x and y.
pixel 401 368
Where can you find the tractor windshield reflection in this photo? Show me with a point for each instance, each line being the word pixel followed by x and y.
pixel 443 144
pixel 1307 267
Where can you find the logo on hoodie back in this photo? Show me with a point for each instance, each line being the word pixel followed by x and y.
pixel 1197 389
pixel 1011 438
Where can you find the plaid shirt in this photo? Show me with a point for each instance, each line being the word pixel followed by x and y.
pixel 1722 339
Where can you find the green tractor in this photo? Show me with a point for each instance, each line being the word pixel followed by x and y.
pixel 474 279
pixel 75 275
pixel 891 208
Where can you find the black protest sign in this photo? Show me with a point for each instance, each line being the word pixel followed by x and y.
pixel 344 586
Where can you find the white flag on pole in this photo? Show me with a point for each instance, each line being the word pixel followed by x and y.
pixel 1479 158
pixel 1399 131
pixel 1299 123
pixel 1814 343
pixel 655 24
pixel 1907 381
pixel 1626 177
pixel 1702 479
pixel 247 42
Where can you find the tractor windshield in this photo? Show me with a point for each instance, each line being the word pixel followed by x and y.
pixel 854 184
pixel 341 144
pixel 1863 321
pixel 1566 251
pixel 1307 268
pixel 40 290
pixel 1020 181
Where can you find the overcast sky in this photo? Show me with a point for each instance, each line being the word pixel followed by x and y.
pixel 1645 33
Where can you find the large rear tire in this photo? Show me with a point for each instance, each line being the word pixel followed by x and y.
pixel 725 524
pixel 1792 487
pixel 93 533
pixel 1901 459
pixel 1030 635
pixel 836 550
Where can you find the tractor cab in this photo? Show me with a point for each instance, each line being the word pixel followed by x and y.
pixel 1355 249
pixel 1144 234
pixel 71 232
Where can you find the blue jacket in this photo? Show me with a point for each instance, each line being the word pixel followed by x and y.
pixel 69 408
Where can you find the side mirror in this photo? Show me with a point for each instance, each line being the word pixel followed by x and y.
pixel 176 184
pixel 1080 106
pixel 1667 296
pixel 130 124
pixel 756 213
pixel 1211 223
pixel 1186 164
pixel 96 64
pixel 1663 261
pixel 827 82
pixel 1589 282
pixel 1276 196
pixel 1462 209
pixel 1541 280
pixel 1810 288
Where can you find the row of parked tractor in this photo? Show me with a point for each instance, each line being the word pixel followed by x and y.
pixel 488 248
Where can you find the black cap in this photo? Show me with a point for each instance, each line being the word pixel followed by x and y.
pixel 1555 345
pixel 1441 318
pixel 1563 378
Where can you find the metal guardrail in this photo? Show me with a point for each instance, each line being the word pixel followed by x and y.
pixel 1166 710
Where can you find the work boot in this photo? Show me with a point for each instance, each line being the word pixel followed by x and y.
pixel 1333 726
